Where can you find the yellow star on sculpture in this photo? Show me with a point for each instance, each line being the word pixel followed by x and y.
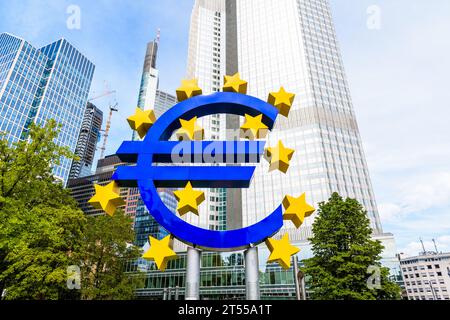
pixel 189 200
pixel 188 89
pixel 190 131
pixel 235 84
pixel 107 198
pixel 161 252
pixel 282 100
pixel 142 121
pixel 279 157
pixel 254 128
pixel 296 209
pixel 281 251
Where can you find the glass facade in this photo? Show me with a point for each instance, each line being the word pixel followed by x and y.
pixel 150 98
pixel 82 189
pixel 292 43
pixel 222 277
pixel 37 85
pixel 207 64
pixel 273 43
pixel 87 142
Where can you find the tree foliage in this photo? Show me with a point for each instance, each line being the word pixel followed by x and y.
pixel 42 231
pixel 106 249
pixel 343 252
pixel 40 224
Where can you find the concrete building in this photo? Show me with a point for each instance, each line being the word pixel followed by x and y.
pixel 82 189
pixel 427 276
pixel 37 85
pixel 87 142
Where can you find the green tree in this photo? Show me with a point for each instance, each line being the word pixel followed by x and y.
pixel 42 231
pixel 104 253
pixel 343 252
pixel 40 224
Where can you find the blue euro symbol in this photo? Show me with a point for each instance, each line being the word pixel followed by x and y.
pixel 157 149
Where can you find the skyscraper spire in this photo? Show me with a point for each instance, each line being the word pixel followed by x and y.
pixel 158 36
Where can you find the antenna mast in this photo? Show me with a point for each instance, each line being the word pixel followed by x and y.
pixel 158 36
pixel 435 246
pixel 423 246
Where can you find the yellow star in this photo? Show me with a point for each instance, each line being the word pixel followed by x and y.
pixel 281 251
pixel 107 198
pixel 282 100
pixel 190 131
pixel 279 157
pixel 142 121
pixel 254 128
pixel 235 84
pixel 296 209
pixel 188 89
pixel 189 200
pixel 161 252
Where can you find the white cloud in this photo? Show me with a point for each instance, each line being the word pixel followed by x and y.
pixel 399 78
pixel 415 247
pixel 416 194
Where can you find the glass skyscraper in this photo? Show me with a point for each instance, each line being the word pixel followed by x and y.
pixel 37 85
pixel 274 43
pixel 289 43
pixel 151 98
pixel 87 142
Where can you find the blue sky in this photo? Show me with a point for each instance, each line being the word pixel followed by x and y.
pixel 398 76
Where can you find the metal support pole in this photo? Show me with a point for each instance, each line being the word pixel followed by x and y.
pixel 169 293
pixel 303 286
pixel 296 280
pixel 165 294
pixel 252 274
pixel 177 293
pixel 193 274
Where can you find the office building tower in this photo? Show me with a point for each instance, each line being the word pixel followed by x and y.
pixel 151 98
pixel 274 43
pixel 292 43
pixel 37 85
pixel 150 79
pixel 427 276
pixel 87 142
pixel 163 102
pixel 207 63
pixel 82 189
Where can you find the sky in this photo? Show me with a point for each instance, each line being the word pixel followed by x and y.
pixel 395 52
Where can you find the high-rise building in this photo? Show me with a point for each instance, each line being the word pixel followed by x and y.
pixel 275 43
pixel 37 85
pixel 427 276
pixel 150 77
pixel 151 98
pixel 207 63
pixel 289 43
pixel 292 43
pixel 163 102
pixel 87 142
pixel 82 189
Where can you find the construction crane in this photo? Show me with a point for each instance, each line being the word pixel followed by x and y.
pixel 105 94
pixel 112 109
